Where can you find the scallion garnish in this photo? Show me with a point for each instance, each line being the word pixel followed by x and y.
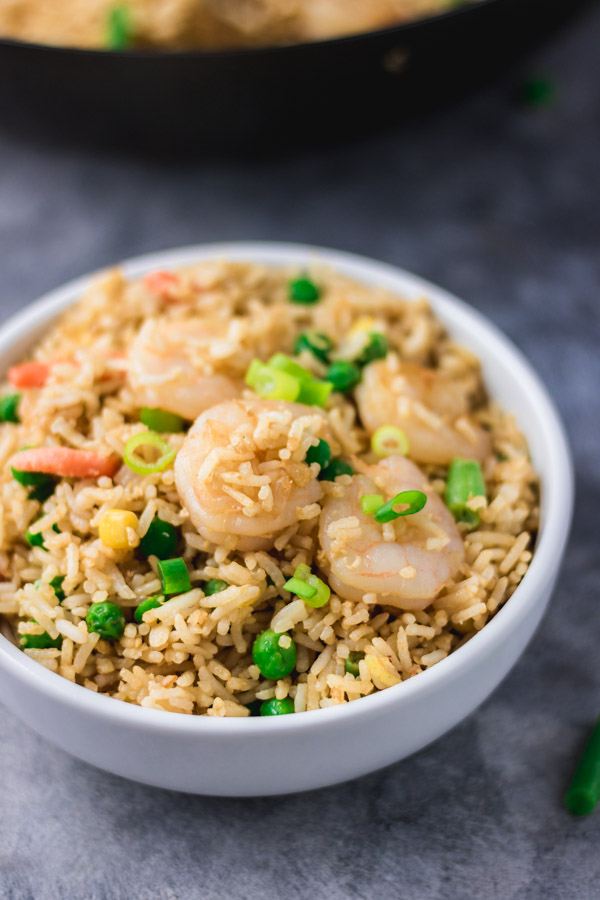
pixel 147 439
pixel 389 441
pixel 317 343
pixel 370 503
pixel 161 420
pixel 464 482
pixel 160 540
pixel 145 605
pixel 584 790
pixel 283 363
pixel 309 587
pixel 271 383
pixel 119 27
pixel 413 500
pixel 174 575
pixel 377 348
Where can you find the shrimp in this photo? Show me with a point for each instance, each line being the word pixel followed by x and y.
pixel 242 475
pixel 172 366
pixel 407 562
pixel 430 407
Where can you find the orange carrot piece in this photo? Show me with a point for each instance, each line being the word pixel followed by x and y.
pixel 29 375
pixel 65 462
pixel 162 283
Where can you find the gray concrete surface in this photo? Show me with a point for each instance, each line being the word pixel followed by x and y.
pixel 501 206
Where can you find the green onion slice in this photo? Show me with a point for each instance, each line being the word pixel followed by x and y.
pixel 32 479
pixel 9 408
pixel 283 363
pixel 145 605
pixel 271 383
pixel 174 576
pixel 370 503
pixel 153 441
pixel 304 583
pixel 214 586
pixel 317 343
pixel 464 482
pixel 160 540
pixel 119 28
pixel 584 791
pixel 389 441
pixel 161 420
pixel 377 348
pixel 315 393
pixel 414 500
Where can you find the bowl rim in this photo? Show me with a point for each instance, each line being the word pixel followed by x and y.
pixel 552 537
pixel 400 29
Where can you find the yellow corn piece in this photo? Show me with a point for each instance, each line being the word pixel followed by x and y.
pixel 113 528
pixel 363 324
pixel 382 671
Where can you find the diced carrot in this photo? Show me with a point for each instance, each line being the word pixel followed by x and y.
pixel 29 375
pixel 162 283
pixel 65 462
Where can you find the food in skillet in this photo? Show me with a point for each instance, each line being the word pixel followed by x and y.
pixel 209 24
pixel 234 489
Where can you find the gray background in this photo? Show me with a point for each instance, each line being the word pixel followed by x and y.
pixel 499 205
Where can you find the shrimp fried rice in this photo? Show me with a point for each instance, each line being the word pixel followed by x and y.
pixel 320 500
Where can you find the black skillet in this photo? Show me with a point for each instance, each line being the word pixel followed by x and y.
pixel 263 97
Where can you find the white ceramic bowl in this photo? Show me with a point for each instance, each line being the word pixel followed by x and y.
pixel 257 756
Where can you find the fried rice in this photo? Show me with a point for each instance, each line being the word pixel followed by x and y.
pixel 193 652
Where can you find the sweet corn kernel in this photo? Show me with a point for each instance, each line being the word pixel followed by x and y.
pixel 363 324
pixel 113 528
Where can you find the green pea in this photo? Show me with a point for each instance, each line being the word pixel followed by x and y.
pixel 106 619
pixel 321 454
pixel 351 663
pixel 303 290
pixel 275 707
pixel 56 585
pixel 274 660
pixel 214 586
pixel 343 376
pixel 160 540
pixel 334 468
pixel 145 605
pixel 40 641
pixel 377 348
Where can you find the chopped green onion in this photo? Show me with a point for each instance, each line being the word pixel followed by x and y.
pixel 56 585
pixel 334 469
pixel 343 375
pixel 9 408
pixel 389 441
pixel 36 539
pixel 303 290
pixel 119 29
pixel 271 383
pixel 314 393
pixel 352 661
pixel 321 453
pixel 377 348
pixel 584 790
pixel 538 91
pixel 147 439
pixel 322 590
pixel 42 491
pixel 300 588
pixel 214 586
pixel 161 420
pixel 464 482
pixel 160 540
pixel 415 500
pixel 31 479
pixel 174 576
pixel 370 503
pixel 40 641
pixel 145 605
pixel 283 363
pixel 317 343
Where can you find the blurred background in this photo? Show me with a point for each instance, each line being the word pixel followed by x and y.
pixel 463 147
